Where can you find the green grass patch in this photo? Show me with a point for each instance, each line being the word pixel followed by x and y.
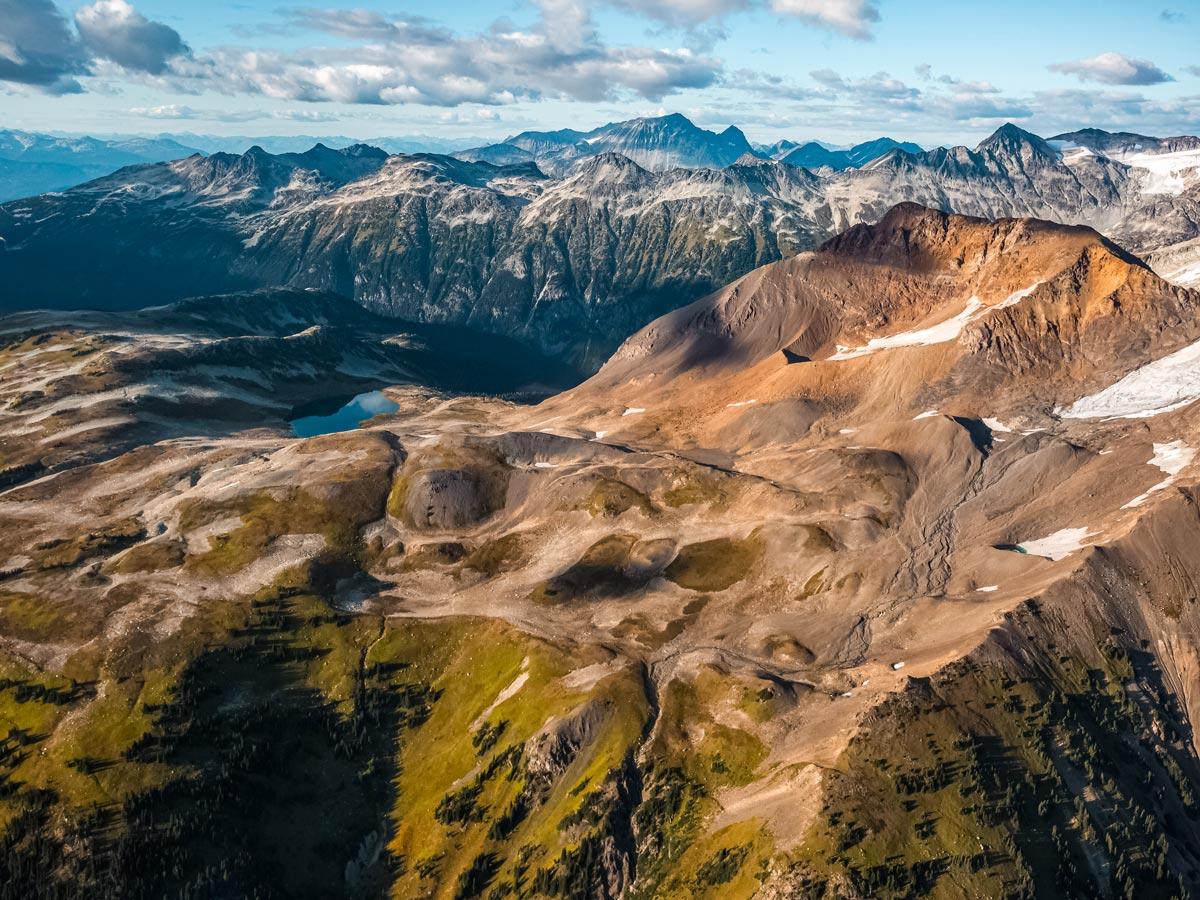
pixel 715 565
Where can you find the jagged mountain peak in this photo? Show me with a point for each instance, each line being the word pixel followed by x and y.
pixel 609 168
pixel 1011 138
pixel 752 159
pixel 654 142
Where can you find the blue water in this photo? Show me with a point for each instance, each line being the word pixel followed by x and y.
pixel 346 417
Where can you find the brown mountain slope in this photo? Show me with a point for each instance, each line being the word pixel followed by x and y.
pixel 921 309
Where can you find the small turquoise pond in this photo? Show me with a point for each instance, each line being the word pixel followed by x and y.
pixel 330 416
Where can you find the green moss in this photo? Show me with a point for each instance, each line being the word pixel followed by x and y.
pixel 66 553
pixel 988 783
pixel 728 864
pixel 610 498
pixel 471 663
pixel 151 556
pixel 499 555
pixel 600 570
pixel 715 565
pixel 265 517
pixel 696 488
pixel 32 618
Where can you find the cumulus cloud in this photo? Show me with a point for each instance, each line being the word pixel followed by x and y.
pixel 879 87
pixel 1113 68
pixel 977 100
pixel 363 24
pixel 375 59
pixel 683 13
pixel 114 30
pixel 166 111
pixel 769 85
pixel 852 18
pixel 409 61
pixel 1067 110
pixel 37 47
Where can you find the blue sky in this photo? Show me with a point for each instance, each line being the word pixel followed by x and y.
pixel 841 70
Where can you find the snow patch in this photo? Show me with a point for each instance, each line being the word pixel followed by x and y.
pixel 1157 387
pixel 934 334
pixel 1166 173
pixel 996 425
pixel 940 333
pixel 1017 296
pixel 988 589
pixel 740 403
pixel 1172 459
pixel 928 414
pixel 633 411
pixel 1059 545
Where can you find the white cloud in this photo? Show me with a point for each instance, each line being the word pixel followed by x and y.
pixel 879 87
pixel 1113 68
pixel 38 47
pixel 852 18
pixel 410 62
pixel 683 13
pixel 175 111
pixel 167 111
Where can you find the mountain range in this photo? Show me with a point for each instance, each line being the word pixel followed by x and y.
pixel 570 264
pixel 33 164
pixel 668 142
pixel 814 155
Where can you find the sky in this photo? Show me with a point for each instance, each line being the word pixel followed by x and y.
pixel 935 71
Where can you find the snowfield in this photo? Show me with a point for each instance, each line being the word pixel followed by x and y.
pixel 1166 173
pixel 1158 387
pixel 1172 458
pixel 940 333
pixel 1059 545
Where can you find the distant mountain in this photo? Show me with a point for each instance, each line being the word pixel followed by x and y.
pixel 814 155
pixel 293 143
pixel 1121 143
pixel 32 164
pixel 777 150
pixel 656 144
pixel 570 264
